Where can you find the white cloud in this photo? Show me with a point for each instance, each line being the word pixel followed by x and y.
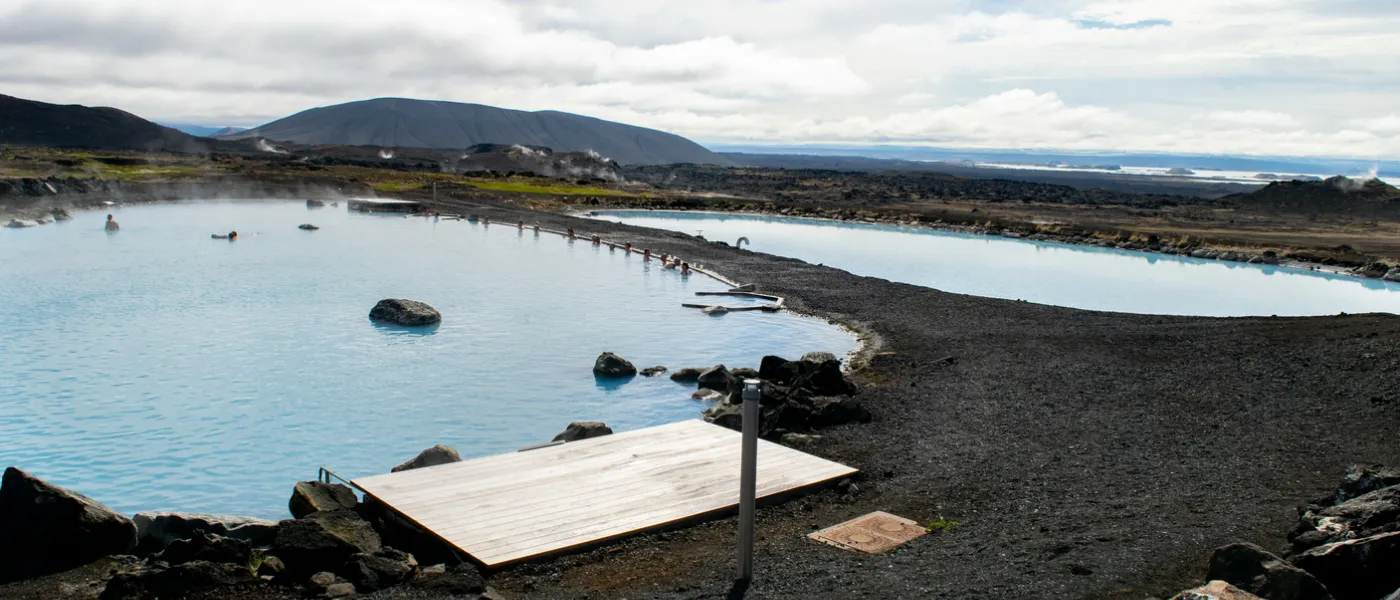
pixel 1254 76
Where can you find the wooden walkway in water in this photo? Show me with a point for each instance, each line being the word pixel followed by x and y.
pixel 513 507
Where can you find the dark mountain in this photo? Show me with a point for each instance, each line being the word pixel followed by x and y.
pixel 1336 195
pixel 403 123
pixel 30 123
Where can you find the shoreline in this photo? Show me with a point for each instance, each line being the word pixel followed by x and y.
pixel 1216 253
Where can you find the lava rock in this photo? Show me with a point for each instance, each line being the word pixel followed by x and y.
pixel 1363 516
pixel 715 378
pixel 156 530
pixel 612 365
pixel 827 411
pixel 1216 590
pixel 323 541
pixel 1362 479
pixel 61 214
pixel 271 566
pixel 176 582
pixel 1258 572
pixel 818 357
pixel 781 370
pixel 825 380
pixel 208 548
pixel 1360 569
pixel 653 371
pixel 46 529
pixel 401 533
pixel 582 430
pixel 21 223
pixel 328 585
pixel 437 455
pixel 743 373
pixel 707 395
pixel 410 313
pixel 460 580
pixel 309 497
pixel 686 375
pixel 383 569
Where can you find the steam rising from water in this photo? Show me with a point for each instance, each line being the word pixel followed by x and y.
pixel 386 154
pixel 266 147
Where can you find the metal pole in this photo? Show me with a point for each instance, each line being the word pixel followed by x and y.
pixel 748 477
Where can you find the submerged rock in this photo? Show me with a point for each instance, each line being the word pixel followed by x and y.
pixel 315 203
pixel 310 497
pixel 61 214
pixel 612 365
pixel 437 455
pixel 704 395
pixel 21 223
pixel 156 530
pixel 46 529
pixel 686 375
pixel 1258 572
pixel 307 227
pixel 653 371
pixel 582 430
pixel 715 311
pixel 411 313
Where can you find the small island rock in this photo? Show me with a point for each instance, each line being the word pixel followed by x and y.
pixel 405 312
pixel 582 430
pixel 612 365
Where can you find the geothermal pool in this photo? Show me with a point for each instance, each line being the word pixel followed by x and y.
pixel 158 369
pixel 1043 272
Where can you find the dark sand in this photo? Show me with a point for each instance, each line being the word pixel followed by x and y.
pixel 1085 454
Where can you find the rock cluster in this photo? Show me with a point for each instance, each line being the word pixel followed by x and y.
pixel 796 396
pixel 46 529
pixel 1346 546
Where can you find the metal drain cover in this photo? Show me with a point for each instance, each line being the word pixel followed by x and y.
pixel 873 533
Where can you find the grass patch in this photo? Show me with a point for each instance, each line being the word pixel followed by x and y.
pixel 942 524
pixel 396 186
pixel 555 190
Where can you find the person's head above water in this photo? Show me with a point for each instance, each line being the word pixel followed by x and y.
pixel 109 217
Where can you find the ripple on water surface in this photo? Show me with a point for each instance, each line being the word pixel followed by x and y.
pixel 156 368
pixel 1043 272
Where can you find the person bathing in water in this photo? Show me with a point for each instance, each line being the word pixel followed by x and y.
pixel 232 235
pixel 685 268
pixel 112 224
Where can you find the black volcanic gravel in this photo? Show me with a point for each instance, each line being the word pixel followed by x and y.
pixel 1085 454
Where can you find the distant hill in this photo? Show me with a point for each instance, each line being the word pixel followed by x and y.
pixel 1336 195
pixel 226 131
pixel 404 123
pixel 204 130
pixel 30 123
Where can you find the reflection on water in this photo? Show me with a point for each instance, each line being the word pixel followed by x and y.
pixel 155 368
pixel 1045 272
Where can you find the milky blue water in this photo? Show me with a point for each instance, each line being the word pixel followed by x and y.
pixel 1043 272
pixel 158 369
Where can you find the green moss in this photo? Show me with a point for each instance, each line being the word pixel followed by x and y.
pixel 555 190
pixel 396 186
pixel 942 524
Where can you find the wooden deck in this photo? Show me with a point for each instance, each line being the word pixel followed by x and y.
pixel 514 507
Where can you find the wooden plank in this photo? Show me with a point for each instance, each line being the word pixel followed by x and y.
pixel 512 507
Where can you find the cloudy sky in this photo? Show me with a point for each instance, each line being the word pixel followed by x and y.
pixel 1268 77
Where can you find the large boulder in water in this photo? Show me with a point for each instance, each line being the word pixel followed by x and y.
pixel 716 378
pixel 437 455
pixel 156 530
pixel 612 365
pixel 686 375
pixel 310 497
pixel 1258 572
pixel 323 541
pixel 46 529
pixel 411 313
pixel 582 430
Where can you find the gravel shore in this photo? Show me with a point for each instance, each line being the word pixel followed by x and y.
pixel 1084 454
